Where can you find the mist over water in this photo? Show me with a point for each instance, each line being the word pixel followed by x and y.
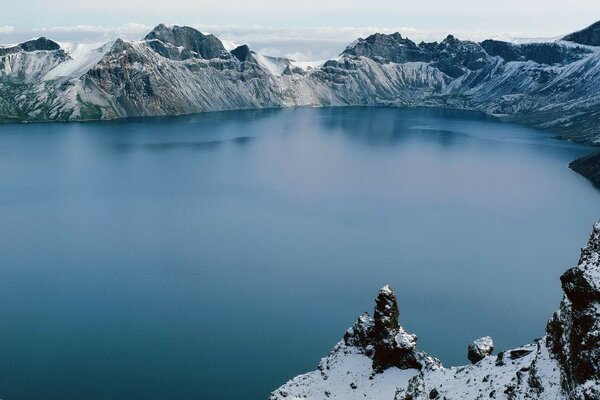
pixel 215 256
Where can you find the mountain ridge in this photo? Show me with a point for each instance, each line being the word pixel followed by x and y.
pixel 178 70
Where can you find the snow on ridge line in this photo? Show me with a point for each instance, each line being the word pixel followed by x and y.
pixel 228 44
pixel 275 66
pixel 83 58
pixel 308 64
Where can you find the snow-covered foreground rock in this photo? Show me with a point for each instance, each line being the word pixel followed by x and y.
pixel 179 70
pixel 378 360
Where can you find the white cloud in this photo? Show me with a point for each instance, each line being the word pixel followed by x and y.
pixel 132 30
pixel 7 29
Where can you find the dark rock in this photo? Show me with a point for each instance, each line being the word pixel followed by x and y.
pixel 541 53
pixel 382 338
pixel 573 330
pixel 500 359
pixel 588 166
pixel 452 56
pixel 589 36
pixel 242 53
pixel 169 51
pixel 434 394
pixel 40 44
pixel 519 353
pixel 393 346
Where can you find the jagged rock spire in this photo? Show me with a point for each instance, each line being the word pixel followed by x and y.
pixel 382 338
pixel 386 312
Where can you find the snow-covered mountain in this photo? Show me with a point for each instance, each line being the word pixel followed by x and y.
pixel 178 70
pixel 378 360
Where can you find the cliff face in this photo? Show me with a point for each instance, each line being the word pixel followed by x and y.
pixel 588 166
pixel 378 360
pixel 178 70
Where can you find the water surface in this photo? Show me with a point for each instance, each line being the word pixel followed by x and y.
pixel 216 256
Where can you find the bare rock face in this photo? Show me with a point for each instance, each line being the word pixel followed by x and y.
pixel 205 46
pixel 588 166
pixel 480 349
pixel 589 36
pixel 382 338
pixel 574 330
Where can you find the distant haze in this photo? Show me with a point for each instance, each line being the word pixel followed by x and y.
pixel 302 30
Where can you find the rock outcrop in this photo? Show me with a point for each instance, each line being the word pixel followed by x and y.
pixel 383 339
pixel 480 349
pixel 589 36
pixel 190 40
pixel 39 44
pixel 574 330
pixel 564 364
pixel 588 166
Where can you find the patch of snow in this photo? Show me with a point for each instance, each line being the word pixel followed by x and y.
pixel 275 66
pixel 83 57
pixel 345 374
pixel 229 45
pixel 521 40
pixel 305 65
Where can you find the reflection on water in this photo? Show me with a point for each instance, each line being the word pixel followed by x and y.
pixel 217 255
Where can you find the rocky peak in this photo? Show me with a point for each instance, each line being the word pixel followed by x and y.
pixel 386 312
pixel 387 48
pixel 452 56
pixel 39 44
pixel 589 36
pixel 382 338
pixel 205 46
pixel 242 53
pixel 456 57
pixel 574 330
pixel 542 53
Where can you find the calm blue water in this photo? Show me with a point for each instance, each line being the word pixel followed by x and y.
pixel 216 256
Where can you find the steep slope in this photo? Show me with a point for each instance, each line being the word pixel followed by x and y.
pixel 378 360
pixel 588 166
pixel 589 36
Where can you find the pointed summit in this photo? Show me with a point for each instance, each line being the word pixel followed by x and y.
pixel 382 338
pixel 206 46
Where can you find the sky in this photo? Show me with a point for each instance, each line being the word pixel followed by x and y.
pixel 300 29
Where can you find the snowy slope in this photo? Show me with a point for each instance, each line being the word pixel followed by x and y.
pixel 563 365
pixel 551 85
pixel 82 57
pixel 345 374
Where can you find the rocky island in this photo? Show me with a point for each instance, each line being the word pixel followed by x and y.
pixel 378 359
